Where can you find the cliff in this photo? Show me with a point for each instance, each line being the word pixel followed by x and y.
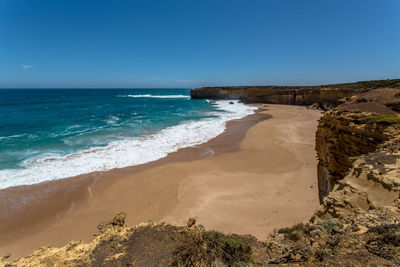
pixel 357 223
pixel 325 96
pixel 353 129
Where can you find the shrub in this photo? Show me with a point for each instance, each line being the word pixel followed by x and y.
pixel 203 248
pixel 362 100
pixel 293 233
pixel 382 118
pixel 385 241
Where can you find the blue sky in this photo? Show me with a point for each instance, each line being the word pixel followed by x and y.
pixel 168 43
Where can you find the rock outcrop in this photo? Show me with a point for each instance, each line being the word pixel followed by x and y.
pixel 340 137
pixel 353 129
pixel 373 182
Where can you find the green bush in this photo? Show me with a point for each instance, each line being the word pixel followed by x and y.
pixel 383 118
pixel 205 248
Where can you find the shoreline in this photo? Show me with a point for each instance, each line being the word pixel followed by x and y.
pixel 167 189
pixel 33 203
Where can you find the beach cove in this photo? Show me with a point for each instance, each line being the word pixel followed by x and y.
pixel 259 175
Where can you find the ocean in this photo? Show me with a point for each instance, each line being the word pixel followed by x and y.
pixel 48 134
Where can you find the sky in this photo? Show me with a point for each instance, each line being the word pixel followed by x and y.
pixel 187 43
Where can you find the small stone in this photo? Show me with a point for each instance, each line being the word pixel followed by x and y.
pixel 315 106
pixel 231 103
pixel 316 232
pixel 119 219
pixel 191 222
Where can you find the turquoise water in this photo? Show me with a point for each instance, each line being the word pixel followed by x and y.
pixel 48 134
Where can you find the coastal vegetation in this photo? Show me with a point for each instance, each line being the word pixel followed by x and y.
pixel 383 118
pixel 203 248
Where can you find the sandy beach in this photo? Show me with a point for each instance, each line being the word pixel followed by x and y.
pixel 256 177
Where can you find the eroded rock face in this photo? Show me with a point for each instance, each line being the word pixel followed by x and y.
pixel 341 136
pixel 325 97
pixel 372 182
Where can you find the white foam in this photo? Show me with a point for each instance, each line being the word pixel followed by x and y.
pixel 29 136
pixel 128 152
pixel 12 136
pixel 157 96
pixel 112 120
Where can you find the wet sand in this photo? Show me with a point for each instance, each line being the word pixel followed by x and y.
pixel 257 176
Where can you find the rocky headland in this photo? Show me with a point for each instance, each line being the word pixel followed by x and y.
pixel 322 96
pixel 357 223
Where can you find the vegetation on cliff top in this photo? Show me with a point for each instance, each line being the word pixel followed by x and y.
pixel 373 84
pixel 382 118
pixel 203 248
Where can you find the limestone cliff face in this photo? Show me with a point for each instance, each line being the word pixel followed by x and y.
pixel 326 96
pixel 340 137
pixel 372 182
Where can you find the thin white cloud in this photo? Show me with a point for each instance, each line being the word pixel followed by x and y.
pixel 25 67
pixel 141 78
pixel 194 81
pixel 152 79
pixel 188 81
